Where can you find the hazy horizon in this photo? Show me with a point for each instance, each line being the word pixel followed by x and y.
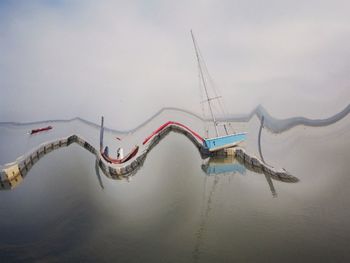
pixel 127 60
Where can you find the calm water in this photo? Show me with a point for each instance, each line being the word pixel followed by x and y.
pixel 171 210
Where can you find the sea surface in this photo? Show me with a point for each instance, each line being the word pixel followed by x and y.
pixel 175 208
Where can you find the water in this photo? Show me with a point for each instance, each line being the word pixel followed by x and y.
pixel 171 210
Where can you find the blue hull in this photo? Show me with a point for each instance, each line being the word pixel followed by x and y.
pixel 223 142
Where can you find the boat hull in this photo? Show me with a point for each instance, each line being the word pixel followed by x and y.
pixel 34 131
pixel 222 142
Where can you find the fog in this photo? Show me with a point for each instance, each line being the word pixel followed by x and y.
pixel 128 59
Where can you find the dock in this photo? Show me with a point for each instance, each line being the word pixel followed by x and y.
pixel 13 173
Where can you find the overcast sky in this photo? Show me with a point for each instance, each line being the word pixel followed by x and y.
pixel 128 59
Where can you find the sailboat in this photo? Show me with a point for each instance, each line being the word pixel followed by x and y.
pixel 220 141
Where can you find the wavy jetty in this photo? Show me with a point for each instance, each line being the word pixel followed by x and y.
pixel 13 173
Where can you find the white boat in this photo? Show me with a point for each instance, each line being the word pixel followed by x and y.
pixel 220 141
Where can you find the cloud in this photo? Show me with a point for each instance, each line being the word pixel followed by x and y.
pixel 127 59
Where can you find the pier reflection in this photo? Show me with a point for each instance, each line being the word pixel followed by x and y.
pixel 267 176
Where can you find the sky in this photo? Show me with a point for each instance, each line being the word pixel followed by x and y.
pixel 128 59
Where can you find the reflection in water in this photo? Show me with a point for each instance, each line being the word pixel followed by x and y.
pixel 271 123
pixel 281 125
pixel 216 166
pixel 267 176
pixel 272 188
pixel 223 165
pixel 203 222
pixel 97 170
pixel 200 234
pixel 230 165
pixel 226 165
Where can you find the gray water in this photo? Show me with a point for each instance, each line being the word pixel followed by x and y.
pixel 171 210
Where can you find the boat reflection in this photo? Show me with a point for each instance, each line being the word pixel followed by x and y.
pixel 223 165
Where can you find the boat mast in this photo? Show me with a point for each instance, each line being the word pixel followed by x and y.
pixel 101 134
pixel 205 86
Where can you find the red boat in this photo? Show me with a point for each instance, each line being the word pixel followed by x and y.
pixel 40 130
pixel 132 153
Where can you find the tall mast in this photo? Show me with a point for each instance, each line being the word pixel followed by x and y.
pixel 101 134
pixel 205 86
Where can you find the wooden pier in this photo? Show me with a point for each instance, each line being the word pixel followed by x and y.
pixel 13 173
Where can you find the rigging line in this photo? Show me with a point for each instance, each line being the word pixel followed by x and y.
pixel 202 228
pixel 204 84
pixel 226 129
pixel 215 89
pixel 202 105
pixel 211 85
pixel 209 77
pixel 214 98
pixel 221 104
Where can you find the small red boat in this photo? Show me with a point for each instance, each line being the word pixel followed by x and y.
pixel 40 130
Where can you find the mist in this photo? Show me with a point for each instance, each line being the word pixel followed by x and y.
pixel 128 59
